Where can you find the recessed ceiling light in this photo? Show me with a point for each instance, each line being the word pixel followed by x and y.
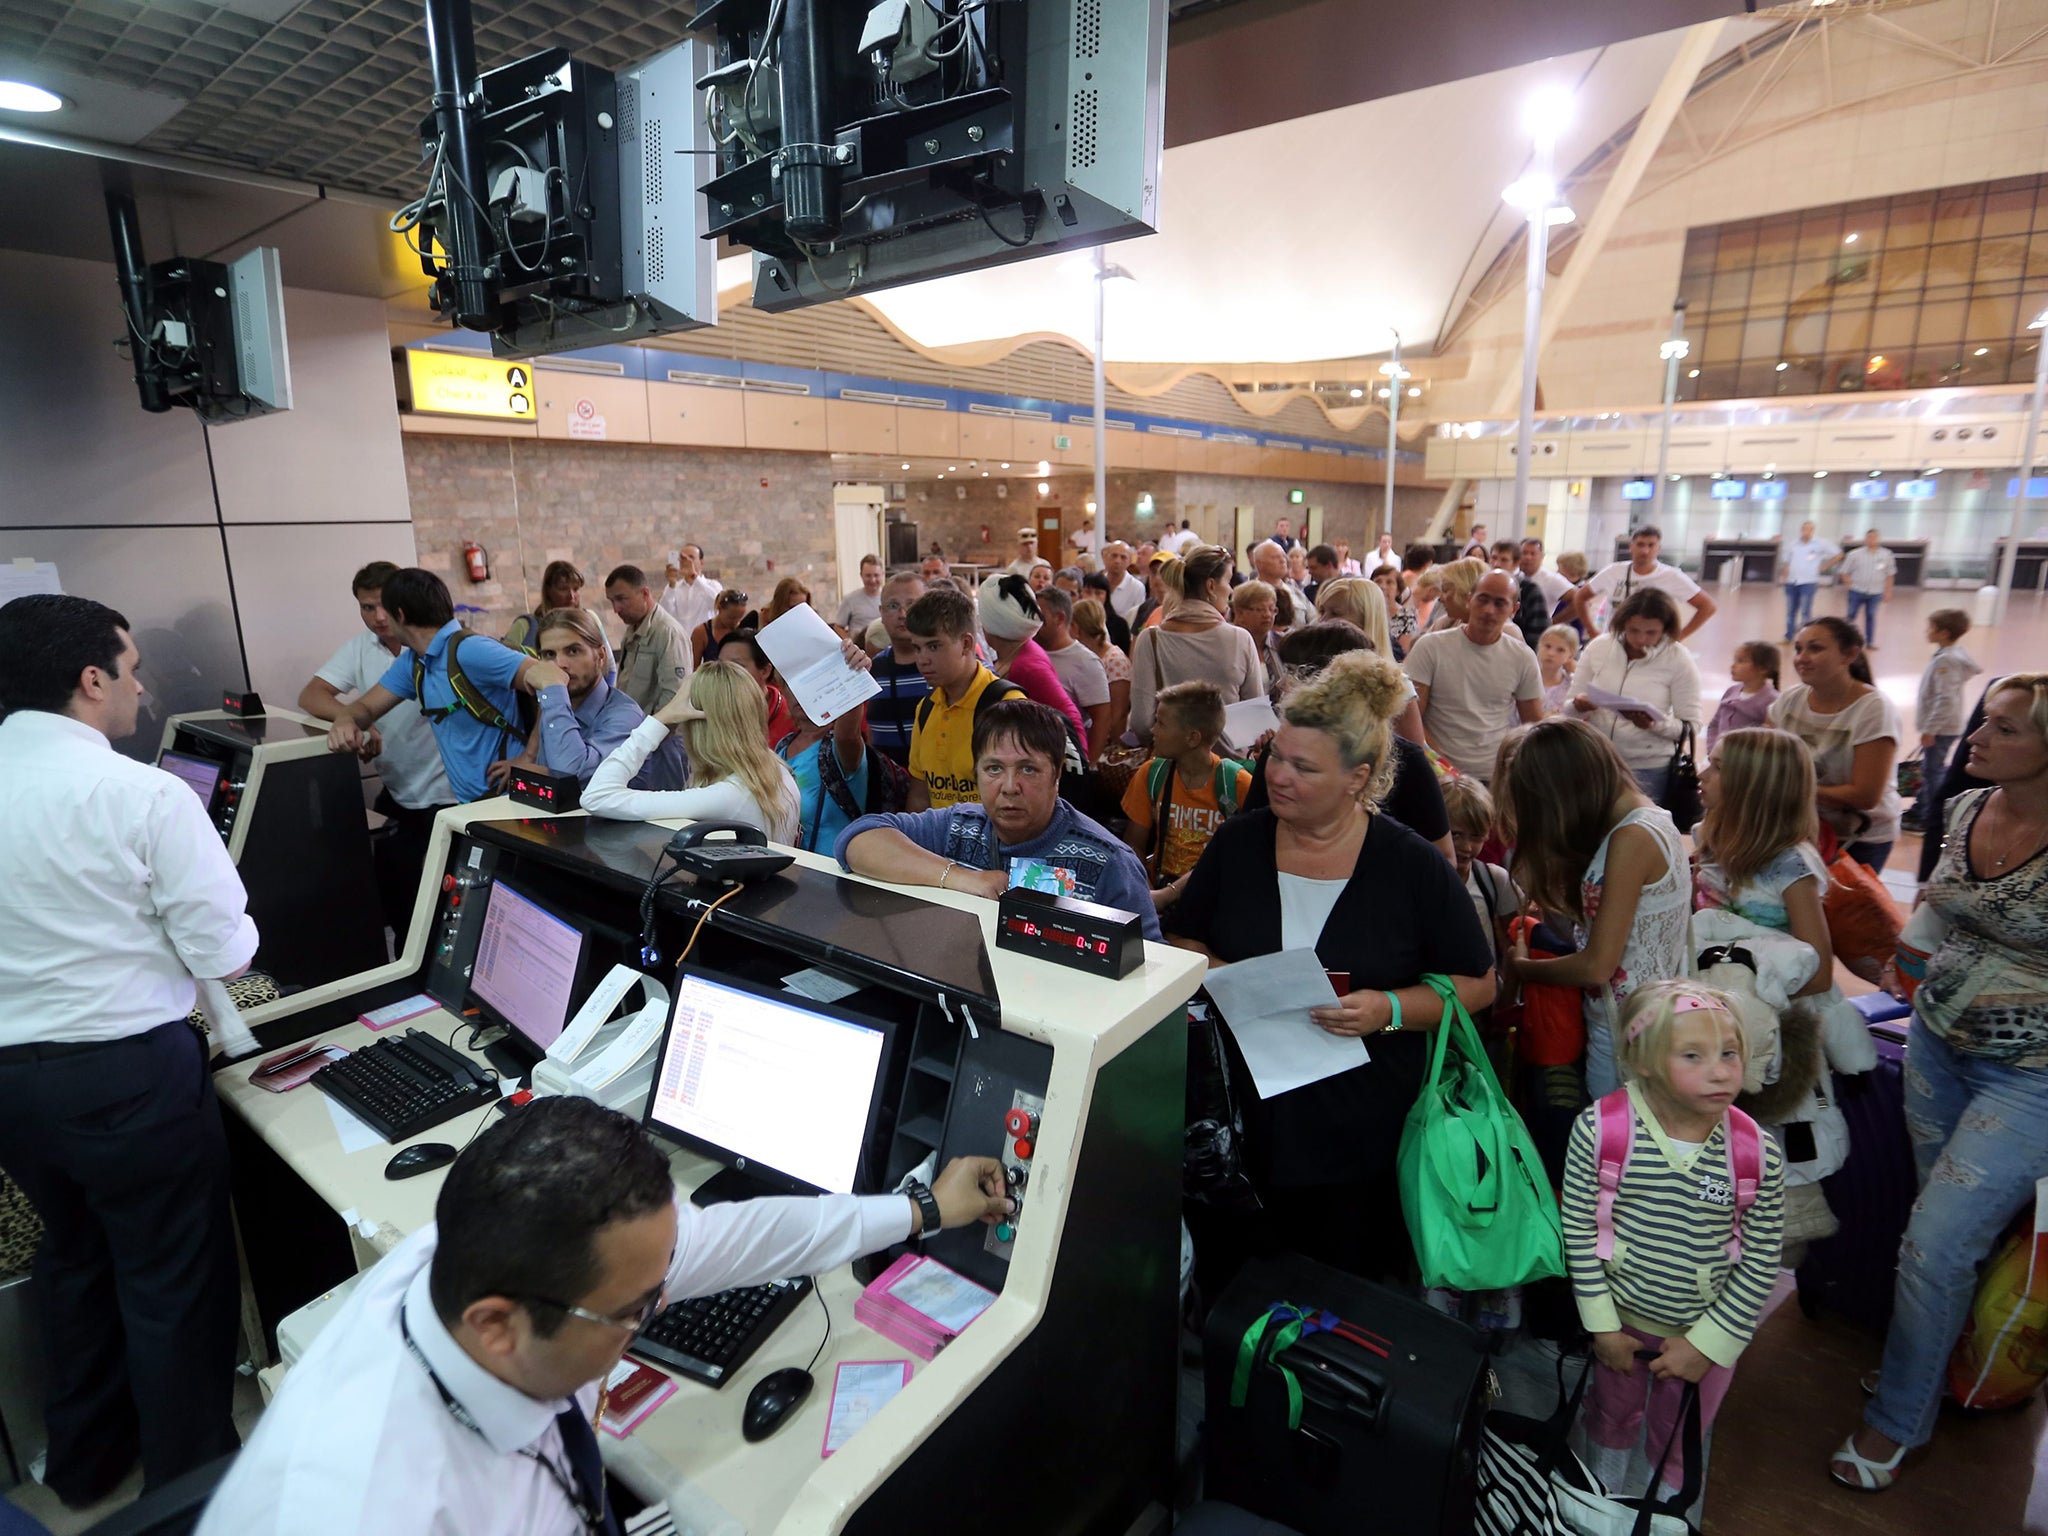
pixel 952 468
pixel 1820 474
pixel 1783 366
pixel 1851 238
pixel 1357 393
pixel 20 96
pixel 1414 394
pixel 906 466
pixel 1006 466
pixel 1983 352
pixel 984 474
pixel 1692 373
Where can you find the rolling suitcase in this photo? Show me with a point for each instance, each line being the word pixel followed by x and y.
pixel 1336 1406
pixel 1872 1195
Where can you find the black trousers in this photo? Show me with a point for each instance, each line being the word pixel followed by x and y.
pixel 119 1146
pixel 400 853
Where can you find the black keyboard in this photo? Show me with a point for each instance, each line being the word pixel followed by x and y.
pixel 709 1338
pixel 406 1084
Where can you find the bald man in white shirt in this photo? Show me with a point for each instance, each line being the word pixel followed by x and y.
pixel 116 893
pixel 456 1390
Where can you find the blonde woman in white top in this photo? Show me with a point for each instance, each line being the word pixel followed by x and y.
pixel 723 717
pixel 1195 642
pixel 1363 603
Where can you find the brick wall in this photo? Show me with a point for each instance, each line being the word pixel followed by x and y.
pixel 759 516
pixel 1350 512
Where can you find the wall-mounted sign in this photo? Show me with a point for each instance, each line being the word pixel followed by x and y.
pixel 1915 490
pixel 1297 496
pixel 1062 442
pixel 1638 490
pixel 1767 490
pixel 449 384
pixel 1870 490
pixel 1729 490
pixel 1145 504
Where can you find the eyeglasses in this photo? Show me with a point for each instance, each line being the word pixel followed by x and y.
pixel 632 1320
pixel 728 597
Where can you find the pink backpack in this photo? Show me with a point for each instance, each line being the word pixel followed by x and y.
pixel 1618 1138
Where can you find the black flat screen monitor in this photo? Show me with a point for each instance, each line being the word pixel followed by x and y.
pixel 781 1089
pixel 529 967
pixel 200 774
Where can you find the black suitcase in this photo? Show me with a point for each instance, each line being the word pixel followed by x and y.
pixel 1852 1273
pixel 1388 1435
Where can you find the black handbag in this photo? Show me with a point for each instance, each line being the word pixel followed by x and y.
pixel 1682 785
pixel 1212 1149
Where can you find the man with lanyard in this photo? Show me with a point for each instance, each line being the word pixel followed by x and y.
pixel 466 685
pixel 1613 584
pixel 691 595
pixel 457 1389
pixel 415 786
pixel 115 893
pixel 892 714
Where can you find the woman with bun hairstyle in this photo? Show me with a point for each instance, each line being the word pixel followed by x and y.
pixel 1321 869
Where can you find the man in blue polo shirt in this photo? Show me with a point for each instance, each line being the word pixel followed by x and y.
pixel 473 735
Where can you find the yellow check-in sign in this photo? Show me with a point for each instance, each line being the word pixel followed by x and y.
pixel 447 384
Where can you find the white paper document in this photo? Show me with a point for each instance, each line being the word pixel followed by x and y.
pixel 1621 703
pixel 860 1389
pixel 1246 721
pixel 1265 1001
pixel 822 986
pixel 355 1136
pixel 807 654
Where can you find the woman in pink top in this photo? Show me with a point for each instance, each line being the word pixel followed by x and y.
pixel 1009 618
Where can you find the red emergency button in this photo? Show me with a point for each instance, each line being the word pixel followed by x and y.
pixel 1022 1148
pixel 1020 1121
pixel 447 882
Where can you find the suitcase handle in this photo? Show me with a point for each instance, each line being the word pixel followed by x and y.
pixel 1333 1378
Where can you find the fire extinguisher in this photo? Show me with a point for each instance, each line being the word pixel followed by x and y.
pixel 477 562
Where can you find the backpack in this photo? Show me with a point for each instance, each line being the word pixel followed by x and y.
pixel 888 786
pixel 1532 611
pixel 469 698
pixel 1159 790
pixel 1617 1139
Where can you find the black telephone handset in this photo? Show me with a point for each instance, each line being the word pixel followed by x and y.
pixel 746 857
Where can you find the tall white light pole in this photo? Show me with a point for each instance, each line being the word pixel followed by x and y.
pixel 1104 271
pixel 1396 377
pixel 2021 502
pixel 1536 195
pixel 1673 352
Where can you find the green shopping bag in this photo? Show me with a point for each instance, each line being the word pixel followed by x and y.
pixel 1479 1207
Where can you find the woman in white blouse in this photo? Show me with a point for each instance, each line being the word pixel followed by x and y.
pixel 723 717
pixel 1639 658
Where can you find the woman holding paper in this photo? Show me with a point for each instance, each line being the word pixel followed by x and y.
pixel 1320 872
pixel 1639 658
pixel 723 717
pixel 1195 643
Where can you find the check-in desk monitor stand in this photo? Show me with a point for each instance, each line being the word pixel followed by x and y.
pixel 291 814
pixel 1076 1085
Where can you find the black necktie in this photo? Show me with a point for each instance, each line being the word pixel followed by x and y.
pixel 579 1443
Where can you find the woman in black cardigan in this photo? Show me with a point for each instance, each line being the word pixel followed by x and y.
pixel 1320 869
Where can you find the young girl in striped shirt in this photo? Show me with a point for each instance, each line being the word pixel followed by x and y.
pixel 1671 1278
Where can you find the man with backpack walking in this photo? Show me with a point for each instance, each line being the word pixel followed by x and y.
pixel 476 692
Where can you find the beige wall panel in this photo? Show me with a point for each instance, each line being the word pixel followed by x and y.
pixel 621 404
pixel 860 426
pixel 988 437
pixel 784 421
pixel 928 434
pixel 690 415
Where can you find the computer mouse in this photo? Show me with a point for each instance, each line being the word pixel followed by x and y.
pixel 774 1398
pixel 424 1158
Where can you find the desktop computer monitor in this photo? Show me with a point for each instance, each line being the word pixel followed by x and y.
pixel 781 1089
pixel 200 774
pixel 529 967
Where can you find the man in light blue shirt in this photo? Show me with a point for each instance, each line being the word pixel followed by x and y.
pixel 583 717
pixel 477 732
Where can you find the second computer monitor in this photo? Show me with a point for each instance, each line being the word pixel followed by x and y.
pixel 529 967
pixel 781 1089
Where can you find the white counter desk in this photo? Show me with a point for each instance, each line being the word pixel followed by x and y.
pixel 1067 1379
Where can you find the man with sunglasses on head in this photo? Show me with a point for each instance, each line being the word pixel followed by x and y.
pixel 456 1389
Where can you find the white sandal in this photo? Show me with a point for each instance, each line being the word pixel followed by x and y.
pixel 1871 1476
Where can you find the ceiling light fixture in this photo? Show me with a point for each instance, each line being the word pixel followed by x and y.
pixel 1006 466
pixel 1782 367
pixel 1414 393
pixel 1357 393
pixel 20 96
pixel 1044 489
pixel 1983 352
pixel 1692 373
pixel 1851 238
pixel 1820 474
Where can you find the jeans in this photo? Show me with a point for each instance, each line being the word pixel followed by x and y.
pixel 1602 1076
pixel 1798 605
pixel 1980 1140
pixel 1867 602
pixel 1876 855
pixel 1933 765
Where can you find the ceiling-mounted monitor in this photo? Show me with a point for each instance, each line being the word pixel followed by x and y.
pixel 858 147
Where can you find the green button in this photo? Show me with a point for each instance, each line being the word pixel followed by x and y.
pixel 1004 1231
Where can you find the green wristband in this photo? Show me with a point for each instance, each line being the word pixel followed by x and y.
pixel 1394 1002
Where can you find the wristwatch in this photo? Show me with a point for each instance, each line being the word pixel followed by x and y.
pixel 928 1204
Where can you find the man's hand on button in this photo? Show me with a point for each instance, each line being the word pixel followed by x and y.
pixel 971 1189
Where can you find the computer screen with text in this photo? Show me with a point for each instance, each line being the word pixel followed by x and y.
pixel 527 961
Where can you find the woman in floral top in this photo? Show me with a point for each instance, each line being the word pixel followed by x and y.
pixel 1976 1069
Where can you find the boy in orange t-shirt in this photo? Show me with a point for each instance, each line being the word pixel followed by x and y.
pixel 1185 785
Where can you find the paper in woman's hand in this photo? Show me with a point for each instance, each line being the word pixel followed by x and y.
pixel 1266 1002
pixel 807 654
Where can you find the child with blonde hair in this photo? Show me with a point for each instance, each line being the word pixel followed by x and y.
pixel 1756 841
pixel 1673 1209
pixel 1557 653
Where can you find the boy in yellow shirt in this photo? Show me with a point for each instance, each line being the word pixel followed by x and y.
pixel 941 646
pixel 1186 788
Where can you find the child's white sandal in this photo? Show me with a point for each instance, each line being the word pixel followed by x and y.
pixel 1871 1476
